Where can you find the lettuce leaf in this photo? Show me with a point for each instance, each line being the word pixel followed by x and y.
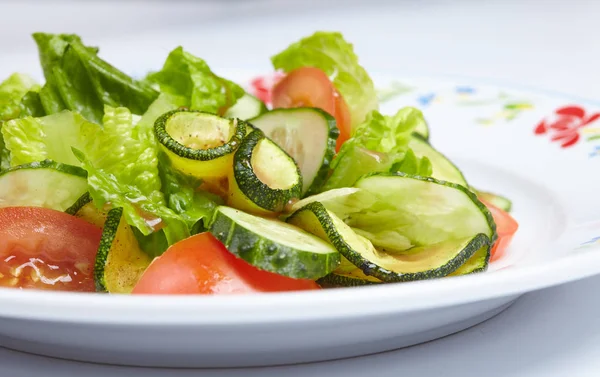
pixel 122 164
pixel 332 54
pixel 51 137
pixel 189 77
pixel 12 90
pixel 78 80
pixel 196 207
pixel 379 144
pixel 147 213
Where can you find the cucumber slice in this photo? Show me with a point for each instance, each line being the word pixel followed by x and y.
pixel 264 178
pixel 246 108
pixel 496 200
pixel 308 135
pixel 119 262
pixel 46 184
pixel 199 144
pixel 273 245
pixel 443 168
pixel 424 262
pixel 422 130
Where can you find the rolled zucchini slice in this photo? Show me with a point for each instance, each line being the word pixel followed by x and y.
pixel 418 263
pixel 273 245
pixel 199 144
pixel 119 262
pixel 264 179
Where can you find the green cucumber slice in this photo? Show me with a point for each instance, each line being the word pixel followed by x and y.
pixel 47 184
pixel 198 143
pixel 496 200
pixel 246 107
pixel 425 262
pixel 308 135
pixel 119 262
pixel 443 168
pixel 264 178
pixel 273 245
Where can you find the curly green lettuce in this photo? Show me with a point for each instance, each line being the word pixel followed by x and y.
pixel 379 144
pixel 190 78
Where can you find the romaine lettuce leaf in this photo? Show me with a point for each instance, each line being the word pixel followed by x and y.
pixel 190 78
pixel 147 213
pixel 122 164
pixel 77 79
pixel 335 56
pixel 12 90
pixel 31 105
pixel 379 144
pixel 51 137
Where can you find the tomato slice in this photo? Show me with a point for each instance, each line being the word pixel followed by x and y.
pixel 202 265
pixel 46 249
pixel 310 87
pixel 506 227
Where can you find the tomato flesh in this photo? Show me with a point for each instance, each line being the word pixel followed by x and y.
pixel 202 265
pixel 45 249
pixel 506 227
pixel 310 87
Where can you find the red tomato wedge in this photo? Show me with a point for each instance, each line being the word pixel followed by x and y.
pixel 202 265
pixel 310 87
pixel 46 249
pixel 506 227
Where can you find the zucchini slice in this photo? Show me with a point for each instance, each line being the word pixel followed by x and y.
pixel 273 245
pixel 479 262
pixel 83 200
pixel 443 168
pixel 425 210
pixel 335 280
pixel 496 200
pixel 199 144
pixel 347 275
pixel 308 135
pixel 246 108
pixel 46 184
pixel 119 262
pixel 264 178
pixel 424 262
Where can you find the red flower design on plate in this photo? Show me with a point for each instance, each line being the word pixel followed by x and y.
pixel 566 124
pixel 262 86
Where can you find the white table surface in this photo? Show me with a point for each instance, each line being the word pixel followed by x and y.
pixel 547 44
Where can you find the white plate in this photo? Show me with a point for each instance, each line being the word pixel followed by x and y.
pixel 488 129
